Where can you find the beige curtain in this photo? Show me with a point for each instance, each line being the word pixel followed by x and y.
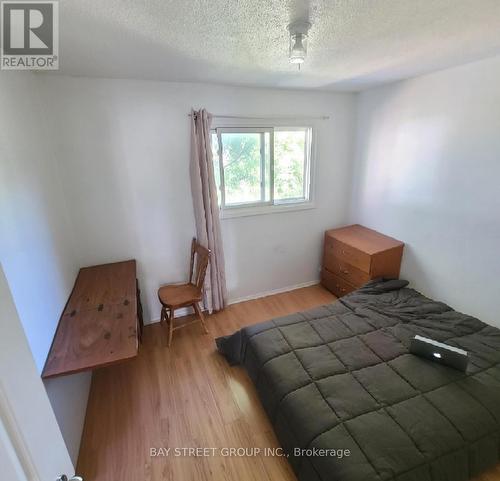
pixel 206 209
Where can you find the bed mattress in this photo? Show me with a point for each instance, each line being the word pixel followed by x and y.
pixel 349 402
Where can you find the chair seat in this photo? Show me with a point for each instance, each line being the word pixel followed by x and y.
pixel 179 295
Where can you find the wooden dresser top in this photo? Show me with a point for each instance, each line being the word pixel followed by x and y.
pixel 364 239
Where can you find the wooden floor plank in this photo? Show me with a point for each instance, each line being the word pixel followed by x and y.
pixel 188 396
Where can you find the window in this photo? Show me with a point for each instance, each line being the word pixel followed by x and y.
pixel 260 169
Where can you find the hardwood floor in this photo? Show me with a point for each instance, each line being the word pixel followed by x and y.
pixel 187 396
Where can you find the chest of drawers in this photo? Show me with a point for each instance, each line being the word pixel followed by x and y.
pixel 355 254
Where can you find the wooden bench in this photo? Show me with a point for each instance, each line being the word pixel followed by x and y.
pixel 101 323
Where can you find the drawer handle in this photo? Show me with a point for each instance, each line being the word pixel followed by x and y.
pixel 342 290
pixel 344 271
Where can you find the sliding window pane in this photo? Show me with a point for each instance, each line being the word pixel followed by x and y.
pixel 243 167
pixel 216 163
pixel 267 166
pixel 290 164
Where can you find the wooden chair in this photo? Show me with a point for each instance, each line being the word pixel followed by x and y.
pixel 175 296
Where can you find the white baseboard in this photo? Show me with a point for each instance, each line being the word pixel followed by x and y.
pixel 183 311
pixel 187 310
pixel 272 292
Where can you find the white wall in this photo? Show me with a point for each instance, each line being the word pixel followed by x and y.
pixel 68 396
pixel 28 428
pixel 36 246
pixel 123 148
pixel 427 172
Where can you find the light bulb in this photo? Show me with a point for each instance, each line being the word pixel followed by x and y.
pixel 298 50
pixel 298 42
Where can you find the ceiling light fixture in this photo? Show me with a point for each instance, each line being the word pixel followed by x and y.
pixel 298 42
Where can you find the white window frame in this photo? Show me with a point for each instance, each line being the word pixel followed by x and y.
pixel 272 205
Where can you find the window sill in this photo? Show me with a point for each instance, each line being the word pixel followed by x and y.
pixel 264 210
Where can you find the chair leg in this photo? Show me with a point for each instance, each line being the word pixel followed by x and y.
pixel 171 326
pixel 163 315
pixel 199 313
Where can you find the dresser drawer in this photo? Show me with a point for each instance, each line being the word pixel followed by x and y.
pixel 335 284
pixel 347 253
pixel 346 271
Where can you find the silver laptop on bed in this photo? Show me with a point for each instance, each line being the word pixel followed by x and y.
pixel 439 352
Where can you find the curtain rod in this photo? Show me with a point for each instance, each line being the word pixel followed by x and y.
pixel 279 117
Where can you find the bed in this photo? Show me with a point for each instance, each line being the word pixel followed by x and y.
pixel 349 402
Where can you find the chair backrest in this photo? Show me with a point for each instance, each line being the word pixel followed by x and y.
pixel 199 262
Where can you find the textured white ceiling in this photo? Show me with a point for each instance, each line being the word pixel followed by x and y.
pixel 353 44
